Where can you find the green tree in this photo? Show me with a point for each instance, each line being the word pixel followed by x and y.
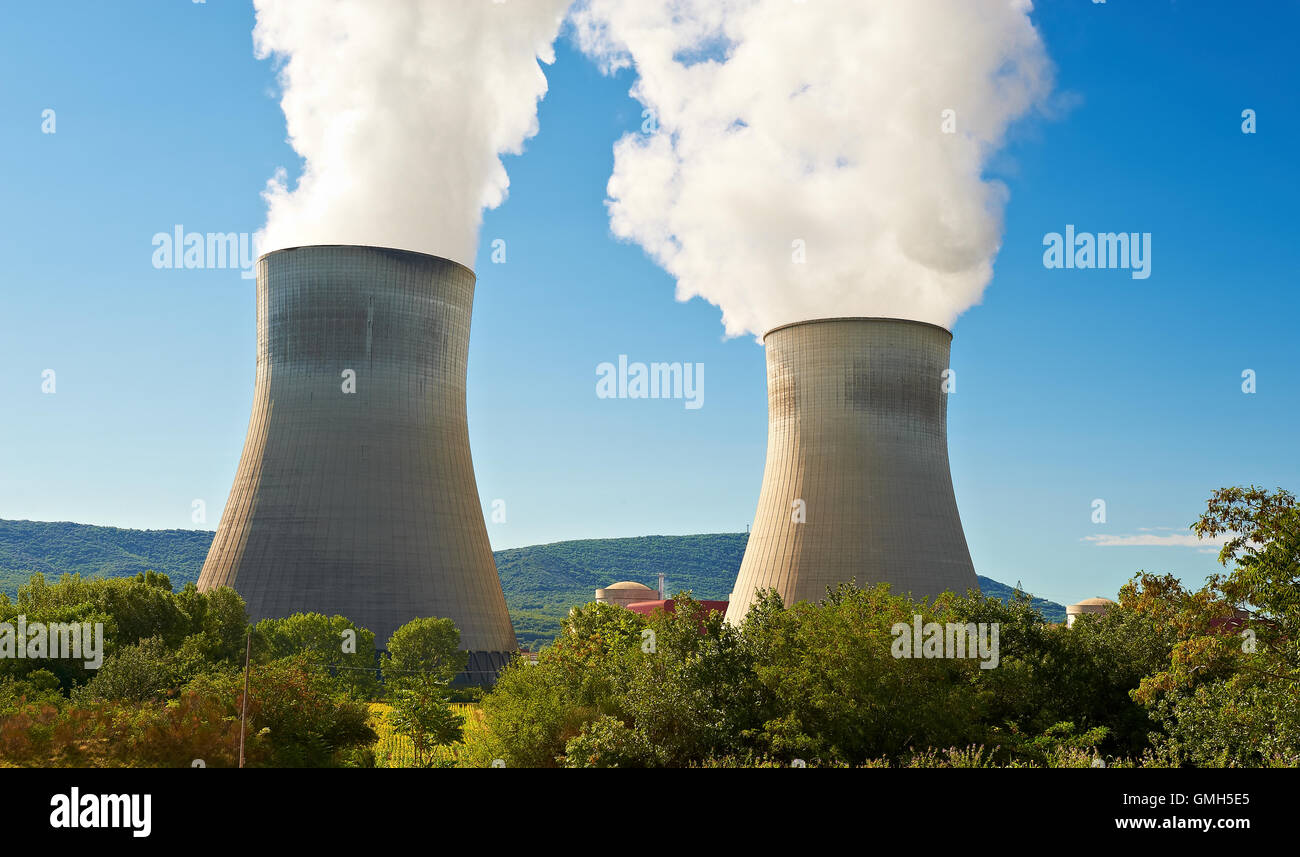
pixel 842 696
pixel 1230 692
pixel 1263 530
pixel 424 716
pixel 1049 676
pixel 533 711
pixel 218 622
pixel 817 682
pixel 149 669
pixel 694 694
pixel 424 652
pixel 207 627
pixel 346 650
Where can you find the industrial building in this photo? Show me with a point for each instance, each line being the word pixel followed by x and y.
pixel 1088 606
pixel 669 605
pixel 857 483
pixel 626 592
pixel 355 494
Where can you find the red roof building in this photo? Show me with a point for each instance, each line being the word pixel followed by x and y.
pixel 645 608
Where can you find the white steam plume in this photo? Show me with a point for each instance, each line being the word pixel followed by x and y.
pixel 401 110
pixel 818 122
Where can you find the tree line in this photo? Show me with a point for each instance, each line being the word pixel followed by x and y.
pixel 1170 676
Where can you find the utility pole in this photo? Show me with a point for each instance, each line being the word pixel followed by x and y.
pixel 243 714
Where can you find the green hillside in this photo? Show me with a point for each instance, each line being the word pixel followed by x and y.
pixel 59 548
pixel 541 582
pixel 1049 610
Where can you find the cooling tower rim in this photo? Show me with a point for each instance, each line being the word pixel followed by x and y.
pixel 856 318
pixel 374 247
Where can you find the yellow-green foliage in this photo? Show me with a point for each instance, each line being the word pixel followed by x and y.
pixel 394 751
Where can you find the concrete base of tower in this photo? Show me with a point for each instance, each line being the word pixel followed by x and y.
pixel 483 669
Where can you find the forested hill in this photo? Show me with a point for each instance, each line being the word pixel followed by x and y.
pixel 62 548
pixel 541 582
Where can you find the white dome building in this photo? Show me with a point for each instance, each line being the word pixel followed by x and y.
pixel 1098 606
pixel 626 592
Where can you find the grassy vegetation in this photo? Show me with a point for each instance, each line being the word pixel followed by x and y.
pixel 395 751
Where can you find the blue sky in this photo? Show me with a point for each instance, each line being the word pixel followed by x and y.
pixel 1073 385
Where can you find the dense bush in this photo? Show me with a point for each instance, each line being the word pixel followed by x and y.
pixel 207 628
pixel 812 682
pixel 295 719
pixel 170 688
pixel 1168 676
pixel 341 647
pixel 296 716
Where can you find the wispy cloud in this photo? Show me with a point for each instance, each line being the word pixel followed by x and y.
pixel 1146 537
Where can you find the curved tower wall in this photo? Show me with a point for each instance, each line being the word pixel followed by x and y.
pixel 857 430
pixel 362 503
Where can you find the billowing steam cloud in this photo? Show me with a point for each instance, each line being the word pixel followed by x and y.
pixel 805 163
pixel 401 110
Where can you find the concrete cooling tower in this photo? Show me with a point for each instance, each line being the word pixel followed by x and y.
pixel 355 494
pixel 857 484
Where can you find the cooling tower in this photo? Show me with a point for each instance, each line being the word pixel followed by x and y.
pixel 856 485
pixel 355 494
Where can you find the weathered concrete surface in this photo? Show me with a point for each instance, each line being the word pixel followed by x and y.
pixel 362 503
pixel 858 431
